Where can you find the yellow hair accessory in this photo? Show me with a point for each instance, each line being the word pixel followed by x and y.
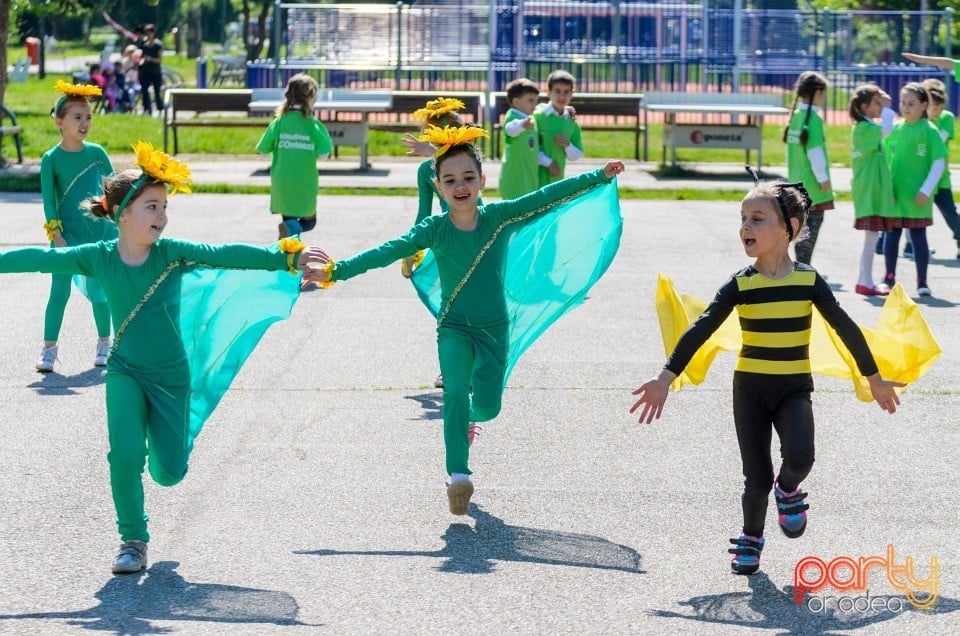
pixel 52 226
pixel 292 246
pixel 439 106
pixel 444 138
pixel 163 168
pixel 77 90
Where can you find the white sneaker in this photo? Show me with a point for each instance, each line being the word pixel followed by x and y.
pixel 48 355
pixel 131 558
pixel 103 352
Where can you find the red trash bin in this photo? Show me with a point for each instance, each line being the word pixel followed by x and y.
pixel 33 49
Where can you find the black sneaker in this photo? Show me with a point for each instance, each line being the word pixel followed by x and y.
pixel 791 510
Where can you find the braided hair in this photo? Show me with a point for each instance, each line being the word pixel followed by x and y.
pixel 807 86
pixel 793 201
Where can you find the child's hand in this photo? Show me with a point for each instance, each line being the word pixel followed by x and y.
pixel 653 393
pixel 612 168
pixel 920 199
pixel 553 169
pixel 58 240
pixel 885 100
pixel 528 123
pixel 571 111
pixel 309 258
pixel 824 186
pixel 561 140
pixel 417 148
pixel 406 267
pixel 883 392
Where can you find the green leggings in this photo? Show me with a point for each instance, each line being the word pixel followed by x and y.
pixel 57 303
pixel 474 360
pixel 144 420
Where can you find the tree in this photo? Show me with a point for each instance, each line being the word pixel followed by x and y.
pixel 254 42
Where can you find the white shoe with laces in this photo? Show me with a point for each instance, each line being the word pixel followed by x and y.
pixel 103 352
pixel 48 355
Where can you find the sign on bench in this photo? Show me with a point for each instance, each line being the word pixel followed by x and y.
pixel 265 101
pixel 745 136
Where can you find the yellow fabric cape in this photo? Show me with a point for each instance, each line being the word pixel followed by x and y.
pixel 902 343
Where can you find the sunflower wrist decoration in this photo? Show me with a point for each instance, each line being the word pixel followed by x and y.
pixel 444 138
pixel 292 246
pixel 328 267
pixel 439 107
pixel 51 227
pixel 85 91
pixel 158 168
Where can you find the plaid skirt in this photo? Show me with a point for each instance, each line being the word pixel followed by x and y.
pixel 821 207
pixel 887 223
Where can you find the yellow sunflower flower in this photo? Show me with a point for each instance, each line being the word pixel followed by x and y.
pixel 163 168
pixel 443 138
pixel 77 90
pixel 291 245
pixel 439 106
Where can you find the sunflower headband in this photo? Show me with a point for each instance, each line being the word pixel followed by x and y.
pixel 85 91
pixel 439 107
pixel 447 137
pixel 159 168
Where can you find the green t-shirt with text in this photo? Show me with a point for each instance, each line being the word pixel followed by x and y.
pixel 295 142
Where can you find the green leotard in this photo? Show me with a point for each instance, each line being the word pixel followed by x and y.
pixel 473 325
pixel 172 316
pixel 68 179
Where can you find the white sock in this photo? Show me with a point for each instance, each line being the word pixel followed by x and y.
pixel 455 477
pixel 866 258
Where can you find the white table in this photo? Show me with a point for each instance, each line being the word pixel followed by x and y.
pixel 746 136
pixel 265 101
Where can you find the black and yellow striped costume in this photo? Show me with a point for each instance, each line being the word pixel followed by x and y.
pixel 772 382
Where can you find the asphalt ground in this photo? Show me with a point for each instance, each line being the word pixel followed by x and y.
pixel 315 503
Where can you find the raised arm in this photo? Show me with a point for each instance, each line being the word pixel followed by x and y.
pixel 61 260
pixel 243 256
pixel 942 62
pixel 546 197
pixel 419 237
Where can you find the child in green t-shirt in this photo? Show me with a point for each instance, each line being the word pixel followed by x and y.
pixel 943 119
pixel 916 155
pixel 522 157
pixel 872 184
pixel 807 155
pixel 296 139
pixel 559 132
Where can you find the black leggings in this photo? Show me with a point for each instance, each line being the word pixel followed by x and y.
pixel 783 401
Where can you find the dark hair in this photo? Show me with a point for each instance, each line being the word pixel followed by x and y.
pixel 519 88
pixel 793 201
pixel 862 96
pixel 300 92
pixel 560 77
pixel 936 89
pixel 459 149
pixel 917 89
pixel 807 86
pixel 115 188
pixel 60 107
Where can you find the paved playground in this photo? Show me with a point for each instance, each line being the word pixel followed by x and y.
pixel 315 503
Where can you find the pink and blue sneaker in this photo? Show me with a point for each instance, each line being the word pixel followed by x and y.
pixel 791 510
pixel 746 556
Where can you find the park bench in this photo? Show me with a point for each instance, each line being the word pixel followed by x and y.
pixel 745 135
pixel 229 68
pixel 595 112
pixel 11 129
pixel 399 117
pixel 207 108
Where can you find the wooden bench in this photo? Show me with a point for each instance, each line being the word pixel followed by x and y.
pixel 595 111
pixel 11 129
pixel 231 106
pixel 399 118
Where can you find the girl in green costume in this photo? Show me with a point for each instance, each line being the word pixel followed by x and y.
pixel 473 325
pixel 187 316
pixel 70 173
pixel 872 184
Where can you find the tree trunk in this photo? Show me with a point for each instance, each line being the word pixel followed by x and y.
pixel 4 40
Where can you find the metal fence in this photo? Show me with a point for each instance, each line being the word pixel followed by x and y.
pixel 609 46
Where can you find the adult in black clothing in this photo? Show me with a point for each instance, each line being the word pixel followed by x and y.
pixel 150 73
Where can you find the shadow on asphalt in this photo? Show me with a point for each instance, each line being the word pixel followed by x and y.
pixel 128 603
pixel 766 607
pixel 475 550
pixel 55 384
pixel 431 403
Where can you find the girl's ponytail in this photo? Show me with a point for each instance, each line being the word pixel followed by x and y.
pixel 793 109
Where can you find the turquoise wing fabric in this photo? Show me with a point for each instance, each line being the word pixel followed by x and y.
pixel 223 315
pixel 552 262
